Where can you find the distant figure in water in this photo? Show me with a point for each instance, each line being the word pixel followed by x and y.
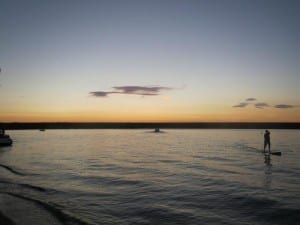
pixel 2 132
pixel 157 130
pixel 267 140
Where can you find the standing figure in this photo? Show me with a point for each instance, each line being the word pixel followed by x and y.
pixel 267 140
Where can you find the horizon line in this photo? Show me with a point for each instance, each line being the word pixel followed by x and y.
pixel 149 122
pixel 149 125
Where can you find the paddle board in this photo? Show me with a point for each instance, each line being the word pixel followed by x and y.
pixel 273 153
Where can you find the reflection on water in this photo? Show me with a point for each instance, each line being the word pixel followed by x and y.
pixel 142 177
pixel 268 160
pixel 268 172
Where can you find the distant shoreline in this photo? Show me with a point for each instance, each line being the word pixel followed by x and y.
pixel 165 125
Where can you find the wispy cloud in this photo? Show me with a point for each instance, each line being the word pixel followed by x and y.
pixel 132 90
pixel 285 106
pixel 241 105
pixel 261 105
pixel 245 103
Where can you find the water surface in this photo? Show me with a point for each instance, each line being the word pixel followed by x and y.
pixel 140 177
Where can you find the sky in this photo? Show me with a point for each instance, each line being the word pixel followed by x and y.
pixel 150 61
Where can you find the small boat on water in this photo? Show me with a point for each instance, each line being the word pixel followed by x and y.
pixel 157 130
pixel 5 139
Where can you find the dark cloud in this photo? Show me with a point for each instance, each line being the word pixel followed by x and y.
pixel 246 103
pixel 261 105
pixel 141 90
pixel 285 106
pixel 132 90
pixel 101 93
pixel 241 105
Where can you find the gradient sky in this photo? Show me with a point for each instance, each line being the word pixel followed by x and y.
pixel 130 61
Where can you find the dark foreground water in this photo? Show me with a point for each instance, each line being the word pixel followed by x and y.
pixel 138 177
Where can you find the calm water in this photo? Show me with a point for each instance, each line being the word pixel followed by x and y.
pixel 138 177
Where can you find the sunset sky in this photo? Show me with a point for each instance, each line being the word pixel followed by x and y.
pixel 132 61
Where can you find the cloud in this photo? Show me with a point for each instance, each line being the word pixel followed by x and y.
pixel 245 104
pixel 132 90
pixel 101 93
pixel 141 90
pixel 285 106
pixel 261 105
pixel 241 105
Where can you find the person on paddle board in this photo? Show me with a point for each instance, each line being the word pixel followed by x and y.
pixel 267 140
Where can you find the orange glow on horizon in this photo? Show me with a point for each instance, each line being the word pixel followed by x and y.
pixel 249 116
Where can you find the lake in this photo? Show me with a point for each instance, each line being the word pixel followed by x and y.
pixel 140 177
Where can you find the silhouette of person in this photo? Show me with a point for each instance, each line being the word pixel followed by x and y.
pixel 267 140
